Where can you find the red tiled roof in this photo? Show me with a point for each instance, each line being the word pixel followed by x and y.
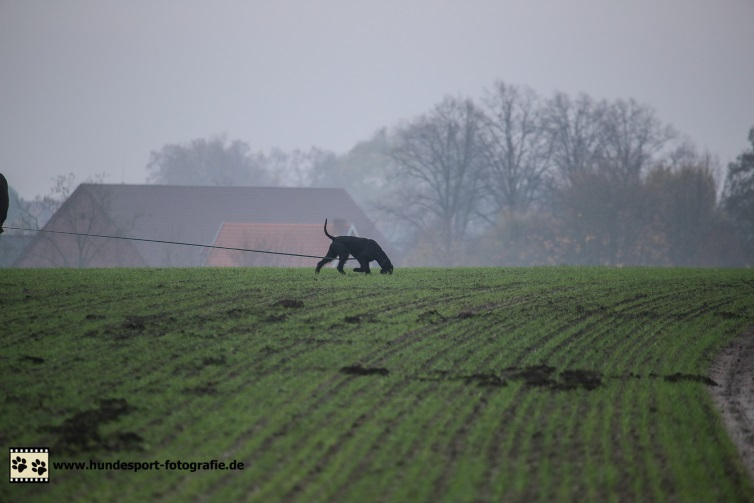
pixel 303 239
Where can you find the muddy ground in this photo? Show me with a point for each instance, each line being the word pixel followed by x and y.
pixel 734 372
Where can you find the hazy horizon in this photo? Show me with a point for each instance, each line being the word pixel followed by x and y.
pixel 92 87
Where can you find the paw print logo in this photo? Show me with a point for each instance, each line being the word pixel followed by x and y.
pixel 23 471
pixel 39 467
pixel 19 464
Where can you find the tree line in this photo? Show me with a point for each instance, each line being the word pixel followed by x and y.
pixel 516 178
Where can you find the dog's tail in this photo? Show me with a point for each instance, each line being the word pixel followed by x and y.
pixel 327 233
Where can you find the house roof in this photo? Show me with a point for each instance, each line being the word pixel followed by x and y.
pixel 193 214
pixel 302 239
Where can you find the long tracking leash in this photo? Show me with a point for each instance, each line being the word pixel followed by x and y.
pixel 143 240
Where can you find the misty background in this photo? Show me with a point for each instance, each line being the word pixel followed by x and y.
pixel 654 95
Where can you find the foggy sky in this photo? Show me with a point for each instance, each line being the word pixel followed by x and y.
pixel 94 86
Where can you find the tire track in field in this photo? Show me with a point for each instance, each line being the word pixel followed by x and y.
pixel 733 369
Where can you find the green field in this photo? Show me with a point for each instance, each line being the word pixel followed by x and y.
pixel 459 385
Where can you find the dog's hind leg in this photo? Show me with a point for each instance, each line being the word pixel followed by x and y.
pixel 322 263
pixel 332 254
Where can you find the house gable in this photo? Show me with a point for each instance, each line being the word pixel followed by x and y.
pixel 87 213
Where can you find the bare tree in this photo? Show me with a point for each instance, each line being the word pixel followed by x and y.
pixel 738 198
pixel 575 133
pixel 601 151
pixel 684 206
pixel 207 162
pixel 632 136
pixel 298 168
pixel 515 147
pixel 437 159
pixel 85 212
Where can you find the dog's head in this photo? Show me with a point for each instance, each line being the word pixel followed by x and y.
pixel 386 267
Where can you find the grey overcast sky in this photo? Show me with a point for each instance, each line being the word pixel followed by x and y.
pixel 92 86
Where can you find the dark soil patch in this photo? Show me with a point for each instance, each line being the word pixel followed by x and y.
pixel 274 318
pixel 543 376
pixel 134 323
pixel 211 360
pixel 93 317
pixel 358 370
pixel 80 432
pixel 202 390
pixel 572 379
pixel 485 380
pixel 727 315
pixel 678 377
pixel 196 366
pixel 234 313
pixel 291 303
pixel 431 316
pixel 534 375
pixel 360 318
pixel 36 360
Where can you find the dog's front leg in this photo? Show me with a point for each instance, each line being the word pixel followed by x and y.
pixel 363 266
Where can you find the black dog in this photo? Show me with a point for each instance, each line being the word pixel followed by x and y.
pixel 364 250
